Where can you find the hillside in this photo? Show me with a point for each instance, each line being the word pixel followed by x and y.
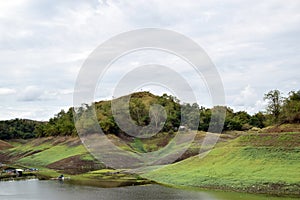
pixel 242 161
pixel 247 157
pixel 49 153
pixel 4 145
pixel 258 163
pixel 68 155
pixel 62 155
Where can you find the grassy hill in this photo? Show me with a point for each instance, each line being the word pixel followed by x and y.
pixel 63 155
pixel 42 152
pixel 260 163
pixel 241 161
pixel 56 152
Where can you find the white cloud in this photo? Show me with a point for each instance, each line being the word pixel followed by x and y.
pixel 249 100
pixel 247 97
pixel 254 45
pixel 7 91
pixel 31 93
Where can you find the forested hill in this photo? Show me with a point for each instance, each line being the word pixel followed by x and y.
pixel 279 110
pixel 18 128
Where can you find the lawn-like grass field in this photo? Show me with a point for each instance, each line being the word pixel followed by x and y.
pixel 254 162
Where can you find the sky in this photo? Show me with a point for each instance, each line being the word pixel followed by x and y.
pixel 254 45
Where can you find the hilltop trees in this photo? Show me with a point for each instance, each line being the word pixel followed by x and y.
pixel 274 100
pixel 290 112
pixel 283 110
pixel 172 108
pixel 138 111
pixel 61 124
pixel 166 110
pixel 205 116
pixel 158 115
pixel 18 128
pixel 190 115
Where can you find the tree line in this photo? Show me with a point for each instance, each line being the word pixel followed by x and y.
pixel 279 110
pixel 18 128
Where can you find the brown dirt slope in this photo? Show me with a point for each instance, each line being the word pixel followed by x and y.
pixel 75 165
pixel 282 128
pixel 4 145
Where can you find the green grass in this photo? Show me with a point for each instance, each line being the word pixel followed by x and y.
pixel 45 173
pixel 138 145
pixel 107 178
pixel 41 152
pixel 237 165
pixel 265 161
pixel 30 148
pixel 87 157
pixel 53 154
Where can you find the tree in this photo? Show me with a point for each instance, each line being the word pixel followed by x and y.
pixel 274 99
pixel 205 116
pixel 158 115
pixel 258 120
pixel 190 115
pixel 232 120
pixel 173 111
pixel 138 111
pixel 17 128
pixel 291 108
pixel 217 121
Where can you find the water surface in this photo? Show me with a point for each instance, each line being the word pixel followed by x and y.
pixel 55 190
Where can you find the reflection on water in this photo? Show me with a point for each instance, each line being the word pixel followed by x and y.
pixel 54 190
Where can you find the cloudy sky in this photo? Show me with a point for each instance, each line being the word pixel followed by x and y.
pixel 254 44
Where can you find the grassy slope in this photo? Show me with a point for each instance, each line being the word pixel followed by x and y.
pixel 41 152
pixel 257 163
pixel 254 162
pixel 52 154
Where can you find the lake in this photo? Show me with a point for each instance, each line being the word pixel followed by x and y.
pixel 44 190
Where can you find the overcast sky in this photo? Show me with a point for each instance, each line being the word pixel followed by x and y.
pixel 254 44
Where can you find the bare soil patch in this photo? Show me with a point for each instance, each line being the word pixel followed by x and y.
pixel 75 165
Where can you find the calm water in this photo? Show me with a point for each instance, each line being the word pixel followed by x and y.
pixel 54 190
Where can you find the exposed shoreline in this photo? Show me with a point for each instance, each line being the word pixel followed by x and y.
pixel 230 160
pixel 259 190
pixel 114 184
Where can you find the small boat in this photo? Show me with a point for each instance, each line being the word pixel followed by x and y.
pixel 61 178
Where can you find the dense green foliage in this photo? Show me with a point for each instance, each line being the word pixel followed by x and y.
pixel 62 124
pixel 282 110
pixel 141 110
pixel 290 111
pixel 18 128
